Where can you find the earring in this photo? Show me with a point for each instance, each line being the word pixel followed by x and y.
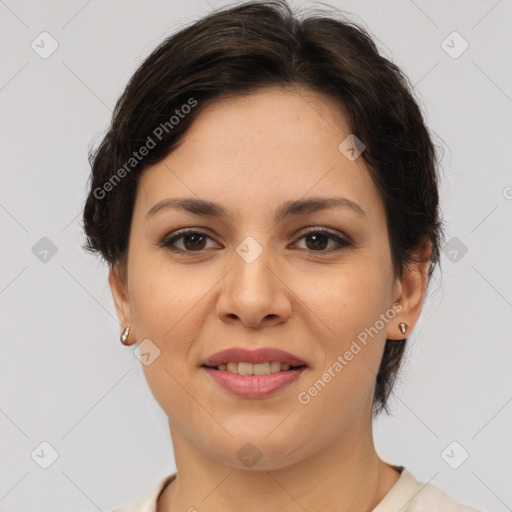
pixel 403 327
pixel 124 336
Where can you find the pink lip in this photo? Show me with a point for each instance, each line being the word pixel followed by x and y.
pixel 260 355
pixel 254 386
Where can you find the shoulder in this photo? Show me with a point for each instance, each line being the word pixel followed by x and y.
pixel 147 502
pixel 410 495
pixel 430 497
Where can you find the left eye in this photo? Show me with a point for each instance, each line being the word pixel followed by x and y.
pixel 320 239
pixel 194 241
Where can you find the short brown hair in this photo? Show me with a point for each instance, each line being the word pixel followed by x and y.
pixel 239 50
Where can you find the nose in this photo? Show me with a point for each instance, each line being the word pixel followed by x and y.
pixel 254 293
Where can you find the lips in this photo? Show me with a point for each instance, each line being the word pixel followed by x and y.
pixel 260 355
pixel 255 386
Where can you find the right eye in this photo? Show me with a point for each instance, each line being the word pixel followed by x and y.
pixel 191 240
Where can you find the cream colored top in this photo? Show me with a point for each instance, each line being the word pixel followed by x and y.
pixel 407 495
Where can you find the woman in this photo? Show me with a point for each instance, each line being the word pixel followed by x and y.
pixel 266 198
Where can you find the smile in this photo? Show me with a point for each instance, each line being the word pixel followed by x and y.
pixel 245 368
pixel 247 383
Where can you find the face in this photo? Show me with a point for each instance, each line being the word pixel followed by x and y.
pixel 253 279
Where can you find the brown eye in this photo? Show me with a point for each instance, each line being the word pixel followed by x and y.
pixel 318 240
pixel 195 241
pixel 192 241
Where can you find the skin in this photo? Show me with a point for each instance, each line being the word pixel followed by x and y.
pixel 251 154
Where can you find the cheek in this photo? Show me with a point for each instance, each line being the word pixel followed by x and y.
pixel 346 310
pixel 164 296
pixel 165 303
pixel 343 382
pixel 347 301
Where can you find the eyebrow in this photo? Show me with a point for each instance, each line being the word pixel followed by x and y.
pixel 289 208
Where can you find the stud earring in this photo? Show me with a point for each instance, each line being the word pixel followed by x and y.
pixel 124 336
pixel 403 327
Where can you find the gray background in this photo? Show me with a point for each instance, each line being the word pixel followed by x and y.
pixel 64 377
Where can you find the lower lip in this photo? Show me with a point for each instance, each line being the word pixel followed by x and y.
pixel 254 386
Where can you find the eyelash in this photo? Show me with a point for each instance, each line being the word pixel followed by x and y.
pixel 168 242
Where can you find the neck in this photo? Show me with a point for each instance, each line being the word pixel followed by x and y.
pixel 347 475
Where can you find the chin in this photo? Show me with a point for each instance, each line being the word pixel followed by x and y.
pixel 262 451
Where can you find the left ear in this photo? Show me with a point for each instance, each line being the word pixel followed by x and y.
pixel 410 292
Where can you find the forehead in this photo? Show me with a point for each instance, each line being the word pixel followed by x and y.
pixel 279 118
pixel 260 148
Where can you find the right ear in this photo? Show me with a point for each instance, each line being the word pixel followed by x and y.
pixel 119 291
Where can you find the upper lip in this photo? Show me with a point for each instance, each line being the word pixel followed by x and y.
pixel 260 355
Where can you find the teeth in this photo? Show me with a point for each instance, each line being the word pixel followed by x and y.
pixel 254 369
pixel 275 366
